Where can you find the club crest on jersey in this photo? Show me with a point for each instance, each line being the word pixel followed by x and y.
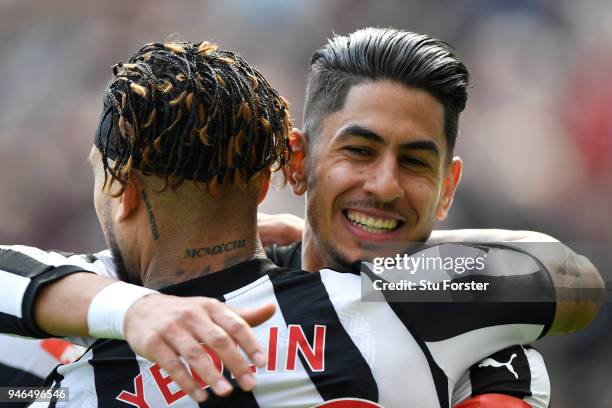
pixel 282 356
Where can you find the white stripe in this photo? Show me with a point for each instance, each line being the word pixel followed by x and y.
pixel 40 404
pixel 462 390
pixel 457 353
pixel 12 290
pixel 540 382
pixel 386 345
pixel 102 266
pixel 286 389
pixel 80 379
pixel 14 286
pixel 26 355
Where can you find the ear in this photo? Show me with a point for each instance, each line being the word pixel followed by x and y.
pixel 129 200
pixel 296 169
pixel 451 181
pixel 264 186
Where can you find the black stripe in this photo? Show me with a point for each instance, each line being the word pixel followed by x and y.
pixel 286 256
pixel 500 380
pixel 13 325
pixel 238 398
pixel 13 377
pixel 21 264
pixel 58 378
pixel 304 301
pixel 115 368
pixel 440 321
pixel 498 305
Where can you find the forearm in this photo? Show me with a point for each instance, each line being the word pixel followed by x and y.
pixel 61 307
pixel 579 286
pixel 24 271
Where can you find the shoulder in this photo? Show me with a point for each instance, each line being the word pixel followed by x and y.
pixel 287 256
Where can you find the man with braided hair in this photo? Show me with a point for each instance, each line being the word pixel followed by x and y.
pixel 181 123
pixel 203 115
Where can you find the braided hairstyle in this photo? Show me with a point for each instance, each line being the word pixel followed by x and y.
pixel 191 111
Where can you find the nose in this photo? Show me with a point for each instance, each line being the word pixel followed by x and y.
pixel 383 182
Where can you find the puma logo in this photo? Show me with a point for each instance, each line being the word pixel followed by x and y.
pixel 489 362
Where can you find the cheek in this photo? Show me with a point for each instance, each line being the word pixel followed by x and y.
pixel 98 205
pixel 328 185
pixel 337 179
pixel 101 201
pixel 97 196
pixel 424 197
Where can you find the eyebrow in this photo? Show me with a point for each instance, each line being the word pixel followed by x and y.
pixel 365 133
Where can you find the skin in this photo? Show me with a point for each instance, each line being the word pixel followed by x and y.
pixel 140 227
pixel 384 178
pixel 382 155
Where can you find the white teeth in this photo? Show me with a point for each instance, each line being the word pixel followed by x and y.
pixel 371 224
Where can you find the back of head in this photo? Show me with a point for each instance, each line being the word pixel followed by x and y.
pixel 370 54
pixel 191 111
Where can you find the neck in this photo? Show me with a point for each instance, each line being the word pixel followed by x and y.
pixel 313 257
pixel 187 256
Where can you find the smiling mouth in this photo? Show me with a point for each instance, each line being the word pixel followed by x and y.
pixel 375 225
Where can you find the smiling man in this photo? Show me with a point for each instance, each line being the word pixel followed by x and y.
pixel 380 124
pixel 376 163
pixel 380 172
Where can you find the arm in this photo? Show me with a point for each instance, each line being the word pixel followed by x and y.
pixel 161 328
pixel 493 401
pixel 158 327
pixel 506 298
pixel 280 229
pixel 490 385
pixel 579 286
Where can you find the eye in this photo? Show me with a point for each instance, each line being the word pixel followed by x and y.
pixel 413 161
pixel 358 151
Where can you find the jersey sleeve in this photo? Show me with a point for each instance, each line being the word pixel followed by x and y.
pixel 517 307
pixel 286 256
pixel 24 271
pixel 516 371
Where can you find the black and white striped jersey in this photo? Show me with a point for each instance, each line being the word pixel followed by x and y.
pixel 27 362
pixel 25 270
pixel 518 371
pixel 529 380
pixel 324 344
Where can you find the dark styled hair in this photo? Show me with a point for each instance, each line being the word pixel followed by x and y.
pixel 191 111
pixel 370 54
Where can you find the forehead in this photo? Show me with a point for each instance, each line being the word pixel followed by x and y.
pixel 397 113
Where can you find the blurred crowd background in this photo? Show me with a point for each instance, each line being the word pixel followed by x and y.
pixel 536 137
